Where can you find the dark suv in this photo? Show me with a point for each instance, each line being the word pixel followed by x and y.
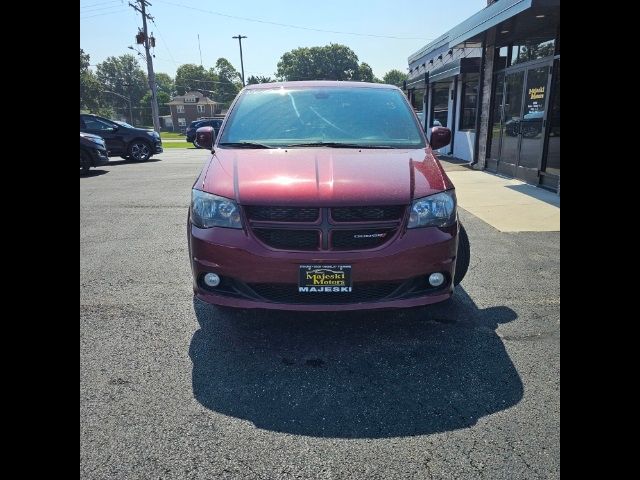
pixel 122 139
pixel 195 125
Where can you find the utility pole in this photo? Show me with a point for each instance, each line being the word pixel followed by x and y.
pixel 200 49
pixel 240 37
pixel 151 74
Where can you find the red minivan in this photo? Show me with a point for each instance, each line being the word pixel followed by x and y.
pixel 324 195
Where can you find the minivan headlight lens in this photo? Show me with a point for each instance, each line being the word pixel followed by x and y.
pixel 437 210
pixel 209 210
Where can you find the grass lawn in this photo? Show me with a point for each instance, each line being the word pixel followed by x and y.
pixel 166 145
pixel 174 135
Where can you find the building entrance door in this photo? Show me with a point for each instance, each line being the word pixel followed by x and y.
pixel 519 122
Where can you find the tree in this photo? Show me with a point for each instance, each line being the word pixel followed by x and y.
pixel 194 77
pixel 258 79
pixel 230 81
pixel 90 96
pixel 165 84
pixel 123 76
pixel 365 74
pixel 394 77
pixel 331 62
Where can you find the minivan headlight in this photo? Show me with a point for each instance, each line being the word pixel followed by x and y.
pixel 209 210
pixel 437 210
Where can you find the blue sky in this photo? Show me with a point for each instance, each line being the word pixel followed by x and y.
pixel 108 27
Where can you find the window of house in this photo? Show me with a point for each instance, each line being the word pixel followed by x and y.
pixel 189 99
pixel 180 108
pixel 182 122
pixel 469 102
pixel 440 101
pixel 200 108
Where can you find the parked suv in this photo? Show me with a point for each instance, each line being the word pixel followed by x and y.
pixel 123 140
pixel 193 126
pixel 324 196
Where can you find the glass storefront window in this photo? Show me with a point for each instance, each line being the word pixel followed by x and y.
pixel 531 50
pixel 417 100
pixel 500 60
pixel 440 102
pixel 469 98
pixel 493 150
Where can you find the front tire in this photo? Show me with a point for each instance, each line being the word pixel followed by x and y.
pixel 463 256
pixel 85 162
pixel 139 151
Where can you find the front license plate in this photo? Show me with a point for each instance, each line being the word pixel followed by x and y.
pixel 324 278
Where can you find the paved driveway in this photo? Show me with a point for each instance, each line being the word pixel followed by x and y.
pixel 172 388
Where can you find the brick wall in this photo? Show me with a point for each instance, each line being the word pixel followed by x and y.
pixel 485 109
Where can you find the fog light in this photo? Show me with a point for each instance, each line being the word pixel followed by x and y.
pixel 436 279
pixel 211 280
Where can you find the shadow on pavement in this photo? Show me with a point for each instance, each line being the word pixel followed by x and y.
pixel 372 374
pixel 115 163
pixel 538 193
pixel 93 173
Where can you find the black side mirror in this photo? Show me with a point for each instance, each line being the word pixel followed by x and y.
pixel 440 137
pixel 205 136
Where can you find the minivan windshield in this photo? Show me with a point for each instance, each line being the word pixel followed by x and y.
pixel 349 117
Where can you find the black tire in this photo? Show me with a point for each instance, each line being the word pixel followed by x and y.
pixel 463 257
pixel 85 162
pixel 139 150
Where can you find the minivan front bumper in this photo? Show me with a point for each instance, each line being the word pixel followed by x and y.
pixel 256 276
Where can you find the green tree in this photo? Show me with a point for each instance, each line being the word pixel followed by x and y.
pixel 194 77
pixel 90 95
pixel 365 74
pixel 331 62
pixel 394 77
pixel 165 84
pixel 230 81
pixel 123 76
pixel 145 105
pixel 258 79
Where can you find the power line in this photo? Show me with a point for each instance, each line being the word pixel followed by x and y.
pixel 101 14
pixel 99 3
pixel 165 43
pixel 93 10
pixel 291 26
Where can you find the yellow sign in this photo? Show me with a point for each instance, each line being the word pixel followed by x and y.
pixel 536 93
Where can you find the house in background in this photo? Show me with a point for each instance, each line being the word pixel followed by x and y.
pixel 189 107
pixel 166 123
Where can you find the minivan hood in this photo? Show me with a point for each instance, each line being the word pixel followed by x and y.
pixel 323 176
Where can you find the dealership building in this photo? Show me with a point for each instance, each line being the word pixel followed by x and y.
pixel 494 80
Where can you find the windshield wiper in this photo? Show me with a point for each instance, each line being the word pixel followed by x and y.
pixel 337 145
pixel 243 145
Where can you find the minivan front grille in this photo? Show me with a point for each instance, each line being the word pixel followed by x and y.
pixel 367 214
pixel 282 214
pixel 336 228
pixel 285 239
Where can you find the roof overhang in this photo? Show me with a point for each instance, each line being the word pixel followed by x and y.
pixel 446 72
pixel 470 33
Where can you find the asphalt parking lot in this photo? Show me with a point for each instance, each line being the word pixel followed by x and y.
pixel 174 388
